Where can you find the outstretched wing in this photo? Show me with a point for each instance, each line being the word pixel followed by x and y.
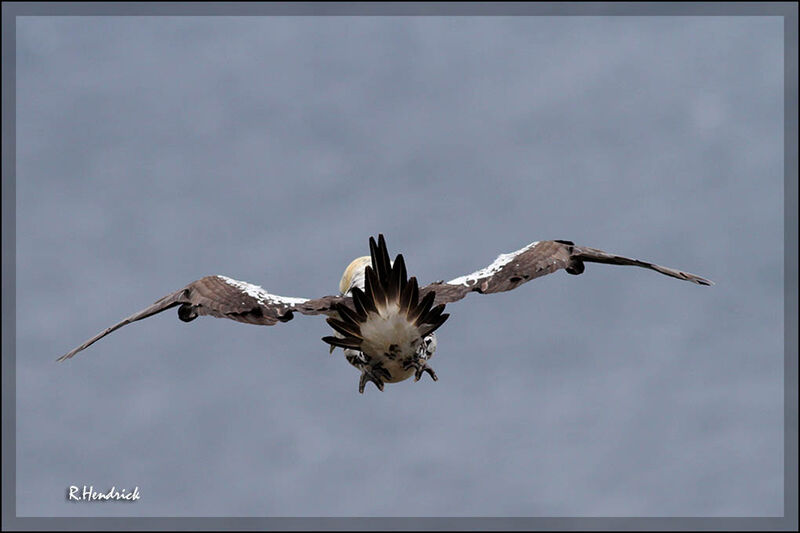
pixel 511 270
pixel 224 297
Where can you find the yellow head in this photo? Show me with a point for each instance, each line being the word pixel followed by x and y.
pixel 354 274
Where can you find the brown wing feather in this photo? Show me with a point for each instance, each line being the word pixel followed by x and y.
pixel 223 297
pixel 509 271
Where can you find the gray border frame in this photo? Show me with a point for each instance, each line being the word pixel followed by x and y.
pixel 788 10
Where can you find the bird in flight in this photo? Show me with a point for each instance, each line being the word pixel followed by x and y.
pixel 382 319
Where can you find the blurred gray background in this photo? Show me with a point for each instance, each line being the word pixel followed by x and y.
pixel 152 151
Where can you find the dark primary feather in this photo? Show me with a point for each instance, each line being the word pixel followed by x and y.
pixel 544 258
pixel 397 279
pixel 380 259
pixel 213 296
pixel 345 342
pixel 416 314
pixel 374 288
pixel 351 315
pixel 361 303
pixel 347 328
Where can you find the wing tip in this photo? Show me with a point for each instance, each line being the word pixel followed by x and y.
pixel 701 281
pixel 70 354
pixel 687 276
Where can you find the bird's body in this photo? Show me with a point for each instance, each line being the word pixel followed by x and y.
pixel 392 339
pixel 381 318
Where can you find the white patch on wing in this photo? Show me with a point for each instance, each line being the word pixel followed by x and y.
pixel 260 294
pixel 489 271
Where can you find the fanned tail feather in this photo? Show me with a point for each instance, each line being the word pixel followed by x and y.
pixel 387 292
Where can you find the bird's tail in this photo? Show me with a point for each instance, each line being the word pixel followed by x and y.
pixel 390 301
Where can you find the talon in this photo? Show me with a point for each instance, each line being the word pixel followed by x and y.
pixel 367 375
pixel 425 368
pixel 382 372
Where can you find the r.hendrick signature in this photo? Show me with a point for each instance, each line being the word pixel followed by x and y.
pixel 88 494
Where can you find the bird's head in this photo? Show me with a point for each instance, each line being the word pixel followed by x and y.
pixel 354 274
